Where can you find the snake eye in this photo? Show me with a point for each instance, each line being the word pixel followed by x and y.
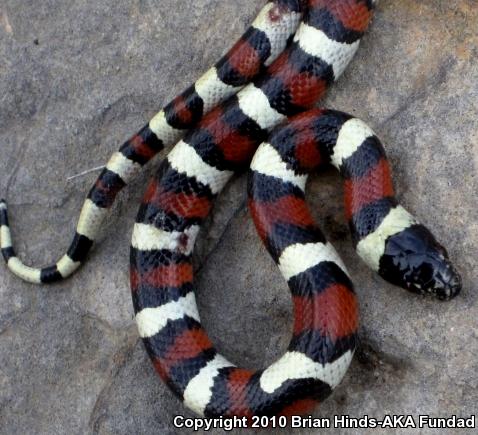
pixel 423 274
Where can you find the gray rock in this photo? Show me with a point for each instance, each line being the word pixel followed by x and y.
pixel 78 77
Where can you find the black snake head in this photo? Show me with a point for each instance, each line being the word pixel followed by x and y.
pixel 415 261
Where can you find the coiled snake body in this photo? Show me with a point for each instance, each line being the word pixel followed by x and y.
pixel 257 99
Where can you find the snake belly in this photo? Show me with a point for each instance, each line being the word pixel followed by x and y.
pixel 181 196
pixel 258 47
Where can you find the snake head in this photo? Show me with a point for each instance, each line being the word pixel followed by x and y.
pixel 415 261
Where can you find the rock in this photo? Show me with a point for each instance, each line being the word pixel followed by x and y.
pixel 78 77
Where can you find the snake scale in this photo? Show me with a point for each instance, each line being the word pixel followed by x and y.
pixel 255 108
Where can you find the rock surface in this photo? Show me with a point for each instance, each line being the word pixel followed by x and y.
pixel 77 77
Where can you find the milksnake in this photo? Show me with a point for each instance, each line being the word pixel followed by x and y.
pixel 257 103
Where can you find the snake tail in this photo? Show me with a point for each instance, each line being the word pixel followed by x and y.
pixel 258 47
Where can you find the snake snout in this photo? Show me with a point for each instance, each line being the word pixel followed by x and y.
pixel 434 274
pixel 446 283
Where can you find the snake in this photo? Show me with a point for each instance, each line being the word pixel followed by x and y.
pixel 255 111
